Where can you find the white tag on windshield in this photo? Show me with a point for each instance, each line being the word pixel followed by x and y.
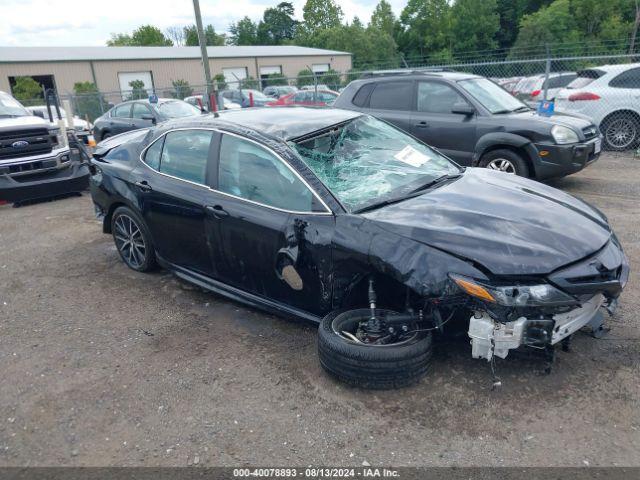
pixel 411 156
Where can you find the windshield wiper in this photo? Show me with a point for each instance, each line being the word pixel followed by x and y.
pixel 523 108
pixel 413 193
pixel 436 181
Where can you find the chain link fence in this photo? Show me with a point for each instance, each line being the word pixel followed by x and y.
pixel 604 88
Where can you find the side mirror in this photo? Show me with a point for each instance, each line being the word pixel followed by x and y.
pixel 38 113
pixel 148 116
pixel 463 108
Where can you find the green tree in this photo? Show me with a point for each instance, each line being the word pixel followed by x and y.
pixel 181 88
pixel 88 100
pixel 383 18
pixel 274 79
pixel 244 32
pixel 27 91
pixel 582 25
pixel 424 29
pixel 144 36
pixel 474 25
pixel 331 79
pixel 219 82
pixel 369 46
pixel 321 15
pixel 250 83
pixel 277 25
pixel 138 92
pixel 304 77
pixel 212 39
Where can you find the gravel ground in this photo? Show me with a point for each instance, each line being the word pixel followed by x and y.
pixel 105 366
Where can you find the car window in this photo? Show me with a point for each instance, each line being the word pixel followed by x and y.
pixel 185 154
pixel 152 155
pixel 178 109
pixel 249 171
pixel 327 97
pixel 360 98
pixel 301 97
pixel 628 79
pixel 139 110
pixel 122 111
pixel 585 77
pixel 560 81
pixel 392 96
pixel 436 97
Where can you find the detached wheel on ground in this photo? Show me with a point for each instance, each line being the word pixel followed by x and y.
pixel 133 240
pixel 505 160
pixel 621 131
pixel 369 365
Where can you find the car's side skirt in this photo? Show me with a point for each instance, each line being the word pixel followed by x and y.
pixel 237 294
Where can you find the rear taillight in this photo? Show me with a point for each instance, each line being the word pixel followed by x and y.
pixel 579 96
pixel 535 93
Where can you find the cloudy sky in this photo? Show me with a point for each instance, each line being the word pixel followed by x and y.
pixel 90 22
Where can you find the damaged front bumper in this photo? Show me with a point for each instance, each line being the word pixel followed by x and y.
pixel 491 338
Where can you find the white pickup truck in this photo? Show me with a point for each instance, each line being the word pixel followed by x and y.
pixel 35 159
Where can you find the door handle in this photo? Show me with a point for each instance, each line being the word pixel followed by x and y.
pixel 422 125
pixel 217 211
pixel 144 186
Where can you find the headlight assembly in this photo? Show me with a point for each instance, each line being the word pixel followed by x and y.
pixel 61 140
pixel 539 295
pixel 563 135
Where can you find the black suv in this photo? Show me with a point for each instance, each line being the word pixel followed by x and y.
pixel 476 122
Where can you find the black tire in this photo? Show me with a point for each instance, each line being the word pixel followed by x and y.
pixel 132 255
pixel 496 158
pixel 370 366
pixel 104 136
pixel 621 131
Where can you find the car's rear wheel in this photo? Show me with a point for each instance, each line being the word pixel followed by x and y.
pixel 399 363
pixel 133 240
pixel 504 160
pixel 621 131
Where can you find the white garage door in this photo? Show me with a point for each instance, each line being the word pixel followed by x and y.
pixel 320 67
pixel 270 70
pixel 232 75
pixel 125 79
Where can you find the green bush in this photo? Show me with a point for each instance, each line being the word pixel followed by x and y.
pixel 305 77
pixel 181 89
pixel 27 91
pixel 274 79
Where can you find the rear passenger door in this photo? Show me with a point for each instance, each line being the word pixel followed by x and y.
pixel 434 122
pixel 391 101
pixel 172 189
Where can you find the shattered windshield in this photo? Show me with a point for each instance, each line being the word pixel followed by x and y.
pixel 366 161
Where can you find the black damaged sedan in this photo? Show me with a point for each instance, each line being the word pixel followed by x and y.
pixel 338 218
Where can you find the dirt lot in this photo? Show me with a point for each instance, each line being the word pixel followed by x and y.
pixel 105 366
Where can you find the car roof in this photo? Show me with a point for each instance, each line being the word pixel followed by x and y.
pixel 614 68
pixel 284 123
pixel 438 73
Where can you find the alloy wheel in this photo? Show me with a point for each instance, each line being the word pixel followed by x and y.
pixel 503 165
pixel 621 133
pixel 130 241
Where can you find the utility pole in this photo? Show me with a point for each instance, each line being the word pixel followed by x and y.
pixel 203 50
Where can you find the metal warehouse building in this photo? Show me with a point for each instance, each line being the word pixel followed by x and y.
pixel 113 68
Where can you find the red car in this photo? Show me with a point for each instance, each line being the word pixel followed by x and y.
pixel 306 97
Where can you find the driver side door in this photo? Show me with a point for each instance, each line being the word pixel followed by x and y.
pixel 269 232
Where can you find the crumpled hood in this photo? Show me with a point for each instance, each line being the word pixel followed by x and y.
pixel 508 224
